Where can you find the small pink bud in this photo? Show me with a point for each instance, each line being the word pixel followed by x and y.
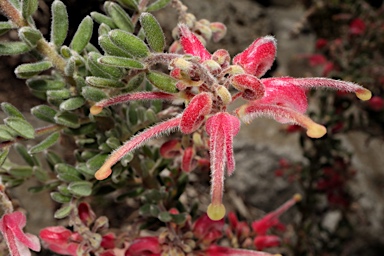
pixel 222 57
pixel 262 242
pixel 204 225
pixel 218 31
pixel 187 160
pixel 60 240
pixel 321 43
pixel 212 66
pixel 86 214
pixel 108 241
pixel 203 30
pixel 357 27
pixel 376 103
pixel 144 246
pixel 258 58
pixel 250 86
pixel 170 149
pixel 193 116
pixel 191 44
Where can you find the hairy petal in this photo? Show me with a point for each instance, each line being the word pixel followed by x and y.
pixel 250 111
pixel 98 107
pixel 258 58
pixel 316 82
pixel 215 250
pixel 250 86
pixel 221 128
pixel 193 116
pixel 186 161
pixel 135 142
pixel 191 44
pixel 279 91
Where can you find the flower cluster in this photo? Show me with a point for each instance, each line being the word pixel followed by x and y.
pixel 208 84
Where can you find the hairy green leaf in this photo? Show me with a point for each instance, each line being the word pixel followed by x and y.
pixel 80 188
pixel 13 48
pixel 162 81
pixel 68 119
pixel 159 4
pixel 121 62
pixel 82 35
pixel 129 42
pixel 31 69
pixel 120 17
pixel 20 126
pixel 72 103
pixel 30 35
pixel 93 94
pixel 60 23
pixel 44 112
pixel 153 32
pixel 11 110
pixel 46 143
pixel 110 48
pixel 28 7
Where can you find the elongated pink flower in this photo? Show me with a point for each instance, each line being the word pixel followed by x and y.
pixel 144 246
pixel 204 85
pixel 19 243
pixel 215 250
pixel 60 240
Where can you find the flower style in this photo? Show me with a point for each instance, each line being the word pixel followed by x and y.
pixel 204 81
pixel 19 243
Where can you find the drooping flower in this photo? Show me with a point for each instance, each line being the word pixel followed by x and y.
pixel 60 240
pixel 204 81
pixel 18 242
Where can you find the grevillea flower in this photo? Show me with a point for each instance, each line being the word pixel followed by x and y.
pixel 19 243
pixel 60 240
pixel 203 83
pixel 144 246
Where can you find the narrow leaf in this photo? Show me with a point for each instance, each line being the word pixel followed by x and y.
pixel 72 103
pixel 21 126
pixel 5 26
pixel 103 82
pixel 21 172
pixel 101 18
pixel 93 94
pixel 11 110
pixel 60 198
pixel 153 32
pixel 101 70
pixel 30 35
pixel 46 143
pixel 162 81
pixel 121 62
pixel 67 119
pixel 23 152
pixel 80 188
pixel 45 113
pixel 159 4
pixel 130 4
pixel 31 69
pixel 28 7
pixel 44 83
pixel 110 48
pixel 120 17
pixel 5 135
pixel 13 48
pixel 59 25
pixel 59 94
pixel 67 172
pixel 82 35
pixel 3 155
pixel 63 212
pixel 129 42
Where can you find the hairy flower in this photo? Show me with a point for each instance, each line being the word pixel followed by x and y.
pixel 204 82
pixel 19 243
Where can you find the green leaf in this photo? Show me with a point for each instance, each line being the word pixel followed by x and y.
pixel 60 198
pixel 110 48
pixel 30 35
pixel 5 135
pixel 72 103
pixel 5 26
pixel 130 4
pixel 179 218
pixel 13 48
pixel 52 159
pixel 153 32
pixel 44 83
pixel 40 174
pixel 60 23
pixel 162 81
pixel 135 82
pixel 103 29
pixel 93 94
pixel 96 162
pixel 46 143
pixel 20 126
pixel 83 169
pixel 101 18
pixel 82 35
pixel 70 67
pixel 3 155
pixel 129 42
pixel 101 70
pixel 21 172
pixel 80 188
pixel 165 216
pixel 28 7
pixel 159 4
pixel 23 152
pixel 63 212
pixel 31 69
pixel 44 112
pixel 11 110
pixel 120 62
pixel 120 17
pixel 103 82
pixel 67 172
pixel 67 119
pixel 59 94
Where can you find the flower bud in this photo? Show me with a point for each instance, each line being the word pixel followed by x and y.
pixel 218 31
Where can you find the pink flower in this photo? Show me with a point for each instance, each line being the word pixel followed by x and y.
pixel 144 246
pixel 215 250
pixel 18 242
pixel 60 240
pixel 357 27
pixel 204 83
pixel 262 242
pixel 208 230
